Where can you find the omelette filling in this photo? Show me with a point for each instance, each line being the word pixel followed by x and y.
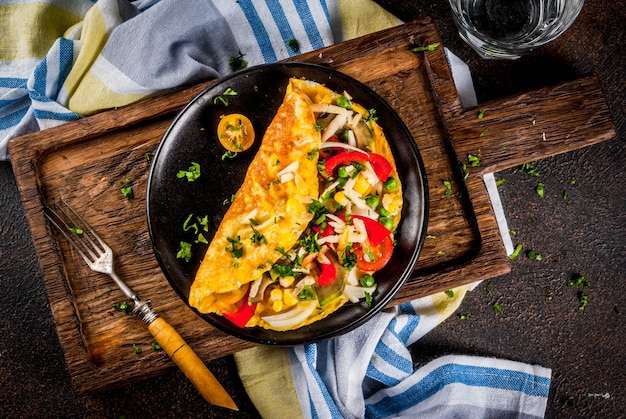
pixel 313 220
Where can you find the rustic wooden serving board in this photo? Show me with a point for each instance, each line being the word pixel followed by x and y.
pixel 85 161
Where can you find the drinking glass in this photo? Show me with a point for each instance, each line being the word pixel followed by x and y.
pixel 508 29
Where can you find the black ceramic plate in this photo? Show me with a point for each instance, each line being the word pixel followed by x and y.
pixel 192 138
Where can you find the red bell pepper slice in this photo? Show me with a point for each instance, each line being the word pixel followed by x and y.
pixel 244 313
pixel 379 163
pixel 328 275
pixel 378 243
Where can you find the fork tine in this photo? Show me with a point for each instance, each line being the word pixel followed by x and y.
pixel 67 222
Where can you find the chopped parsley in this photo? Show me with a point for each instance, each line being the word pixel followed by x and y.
pixel 463 316
pixel 147 156
pixel 448 185
pixel 348 258
pixel 235 248
pixel 474 160
pixel 498 308
pixel 293 44
pixel 501 181
pixel 123 307
pixel 481 114
pixel 192 173
pixel 488 287
pixel 257 237
pixel 582 297
pixel 75 230
pixel 127 189
pixel 532 255
pixel 465 171
pixel 368 298
pixel 540 190
pixel 229 155
pixel 449 293
pixel 310 243
pixel 223 98
pixel 578 282
pixel 483 132
pixel 431 47
pixel 136 348
pixel 516 251
pixel 238 63
pixel 156 347
pixel 529 169
pixel 372 116
pixel 184 251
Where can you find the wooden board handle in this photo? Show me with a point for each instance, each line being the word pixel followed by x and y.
pixel 190 364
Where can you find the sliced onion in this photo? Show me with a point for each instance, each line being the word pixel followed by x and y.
pixel 293 317
pixel 355 294
pixel 335 144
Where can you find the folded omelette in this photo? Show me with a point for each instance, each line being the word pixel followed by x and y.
pixel 264 204
pixel 313 220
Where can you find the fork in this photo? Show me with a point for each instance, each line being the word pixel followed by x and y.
pixel 99 257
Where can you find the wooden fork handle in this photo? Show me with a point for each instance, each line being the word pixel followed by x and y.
pixel 190 364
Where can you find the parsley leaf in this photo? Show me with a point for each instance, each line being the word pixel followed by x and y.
pixel 238 63
pixel 192 173
pixel 184 251
pixel 532 255
pixel 516 252
pixel 529 169
pixel 431 47
pixel 498 308
pixel 540 189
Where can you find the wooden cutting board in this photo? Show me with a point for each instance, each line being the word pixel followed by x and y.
pixel 85 161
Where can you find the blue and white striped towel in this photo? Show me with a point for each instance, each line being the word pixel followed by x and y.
pixel 61 59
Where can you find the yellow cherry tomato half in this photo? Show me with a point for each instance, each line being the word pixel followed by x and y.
pixel 235 132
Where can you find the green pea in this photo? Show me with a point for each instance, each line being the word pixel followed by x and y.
pixel 368 281
pixel 383 212
pixel 372 201
pixel 387 222
pixel 390 184
pixel 343 102
pixel 342 172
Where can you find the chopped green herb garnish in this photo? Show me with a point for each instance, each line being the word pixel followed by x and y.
pixel 136 349
pixel 529 169
pixel 465 171
pixel 483 132
pixel 431 236
pixel 127 191
pixel 293 44
pixel 192 173
pixel 463 316
pixel 540 189
pixel 75 230
pixel 223 97
pixel 516 251
pixel 499 182
pixel 488 287
pixel 312 154
pixel 583 298
pixel 498 308
pixel 147 156
pixel 449 293
pixel 532 255
pixel 481 114
pixel 257 237
pixel 238 63
pixel 229 155
pixel 371 115
pixel 123 306
pixel 474 160
pixel 578 282
pixel 441 252
pixel 184 251
pixel 430 47
pixel 236 248
pixel 348 258
pixel 368 298
pixel 448 185
pixel 156 347
pixel 564 195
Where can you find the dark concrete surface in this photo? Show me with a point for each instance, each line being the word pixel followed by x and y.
pixel 541 321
